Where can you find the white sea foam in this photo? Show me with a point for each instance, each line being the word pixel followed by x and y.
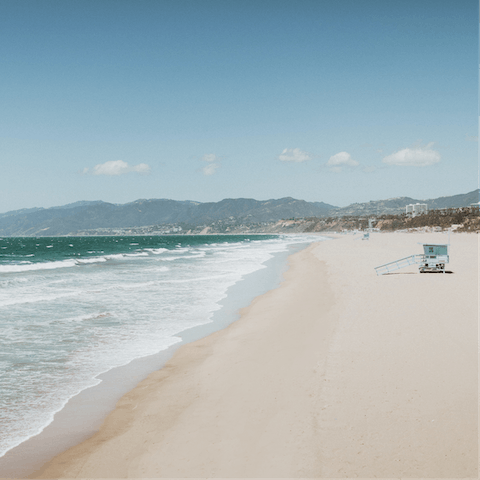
pixel 27 267
pixel 91 260
pixel 157 251
pixel 68 325
pixel 116 256
pixel 34 299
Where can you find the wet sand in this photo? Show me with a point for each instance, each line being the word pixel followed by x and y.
pixel 337 373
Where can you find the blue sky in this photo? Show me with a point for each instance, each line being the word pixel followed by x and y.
pixel 337 101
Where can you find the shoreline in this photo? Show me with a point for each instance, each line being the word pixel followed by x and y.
pixel 335 373
pixel 179 381
pixel 83 414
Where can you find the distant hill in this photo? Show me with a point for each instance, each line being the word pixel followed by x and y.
pixel 81 216
pixel 397 205
pixel 91 215
pixel 456 201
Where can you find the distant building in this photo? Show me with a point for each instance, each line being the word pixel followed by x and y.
pixel 415 209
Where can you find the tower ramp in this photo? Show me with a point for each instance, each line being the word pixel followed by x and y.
pixel 398 264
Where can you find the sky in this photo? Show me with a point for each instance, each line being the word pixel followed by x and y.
pixel 335 101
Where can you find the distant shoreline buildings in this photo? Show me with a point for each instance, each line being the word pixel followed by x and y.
pixel 415 209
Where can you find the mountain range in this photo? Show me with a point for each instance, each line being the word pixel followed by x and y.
pixel 86 215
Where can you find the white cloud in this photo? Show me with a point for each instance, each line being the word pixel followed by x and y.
pixel 294 155
pixel 210 169
pixel 113 167
pixel 342 158
pixel 117 167
pixel 339 160
pixel 141 168
pixel 414 157
pixel 213 164
pixel 210 157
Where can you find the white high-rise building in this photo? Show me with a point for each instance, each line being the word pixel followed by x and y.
pixel 415 209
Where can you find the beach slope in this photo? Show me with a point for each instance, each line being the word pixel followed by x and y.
pixel 336 373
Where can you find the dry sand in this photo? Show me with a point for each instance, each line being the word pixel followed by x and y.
pixel 336 373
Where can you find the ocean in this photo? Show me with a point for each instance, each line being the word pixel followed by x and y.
pixel 73 308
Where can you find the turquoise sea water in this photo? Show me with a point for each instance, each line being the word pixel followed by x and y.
pixel 72 308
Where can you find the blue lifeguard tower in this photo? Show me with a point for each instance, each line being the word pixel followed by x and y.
pixel 434 258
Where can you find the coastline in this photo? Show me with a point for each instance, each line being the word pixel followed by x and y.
pixel 335 373
pixel 84 413
pixel 183 379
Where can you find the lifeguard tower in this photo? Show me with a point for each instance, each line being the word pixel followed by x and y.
pixel 434 259
pixel 366 234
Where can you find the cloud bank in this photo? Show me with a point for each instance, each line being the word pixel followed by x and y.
pixel 117 167
pixel 294 155
pixel 414 157
pixel 212 164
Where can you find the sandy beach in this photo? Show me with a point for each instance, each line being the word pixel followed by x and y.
pixel 337 373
